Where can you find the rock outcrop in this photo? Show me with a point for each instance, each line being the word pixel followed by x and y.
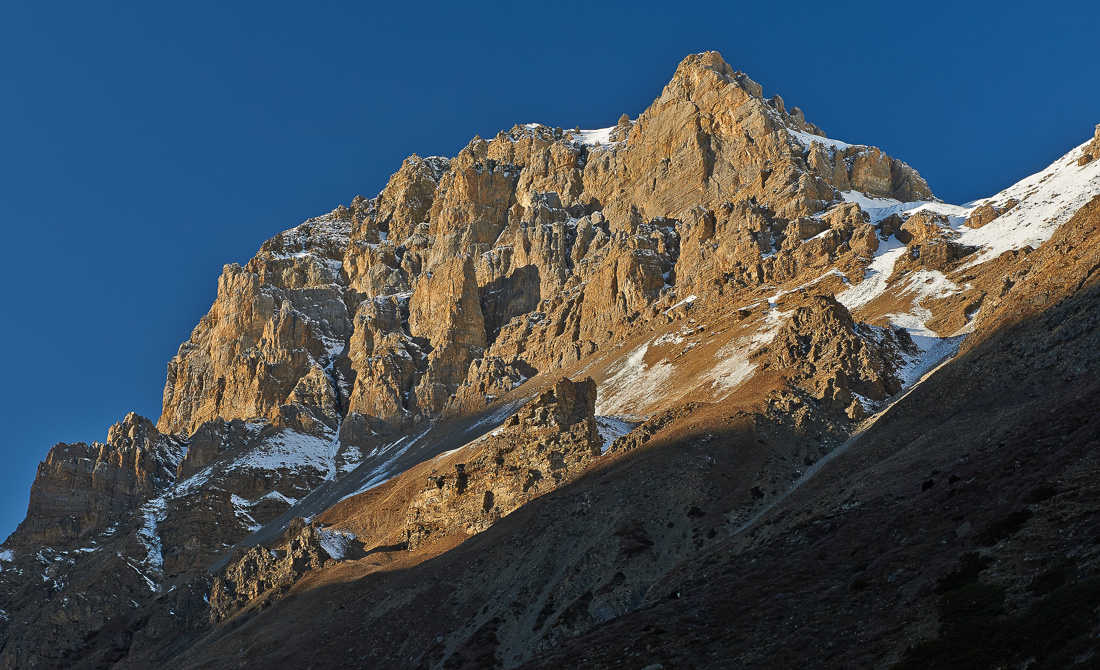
pixel 844 365
pixel 1092 150
pixel 263 573
pixel 80 490
pixel 544 445
pixel 987 212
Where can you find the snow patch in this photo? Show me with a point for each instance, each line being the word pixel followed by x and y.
pixel 1045 200
pixel 352 458
pixel 275 495
pixel 612 428
pixel 152 514
pixel 925 284
pixel 686 301
pixel 594 137
pixel 501 413
pixel 288 450
pixel 880 208
pixel 383 472
pixel 808 138
pixel 335 542
pixel 874 281
pixel 733 366
pixel 240 508
pixel 866 403
pixel 933 351
pixel 930 284
pixel 333 346
pixel 633 386
pixel 669 338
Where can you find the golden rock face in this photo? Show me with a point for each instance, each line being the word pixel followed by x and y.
pixel 532 238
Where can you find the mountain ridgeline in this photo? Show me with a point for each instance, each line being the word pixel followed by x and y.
pixel 701 389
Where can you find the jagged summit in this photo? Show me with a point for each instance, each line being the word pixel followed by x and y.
pixel 710 152
pixel 585 356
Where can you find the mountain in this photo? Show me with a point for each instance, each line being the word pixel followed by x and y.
pixel 701 389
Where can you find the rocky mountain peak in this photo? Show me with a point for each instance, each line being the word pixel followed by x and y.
pixel 588 357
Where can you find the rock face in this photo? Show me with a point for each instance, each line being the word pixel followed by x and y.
pixel 80 490
pixel 272 324
pixel 546 444
pixel 533 249
pixel 263 572
pixel 537 387
pixel 844 365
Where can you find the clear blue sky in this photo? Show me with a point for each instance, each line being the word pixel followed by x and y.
pixel 143 146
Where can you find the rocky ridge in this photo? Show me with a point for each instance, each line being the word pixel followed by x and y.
pixel 735 284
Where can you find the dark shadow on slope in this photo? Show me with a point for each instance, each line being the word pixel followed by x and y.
pixel 998 453
pixel 625 512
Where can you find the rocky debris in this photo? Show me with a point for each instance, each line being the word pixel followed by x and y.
pixel 544 445
pixel 82 489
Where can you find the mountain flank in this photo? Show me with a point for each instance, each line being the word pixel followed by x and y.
pixel 702 389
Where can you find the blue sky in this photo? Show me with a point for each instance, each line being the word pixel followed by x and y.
pixel 143 145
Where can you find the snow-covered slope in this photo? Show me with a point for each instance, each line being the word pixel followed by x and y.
pixel 1044 201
